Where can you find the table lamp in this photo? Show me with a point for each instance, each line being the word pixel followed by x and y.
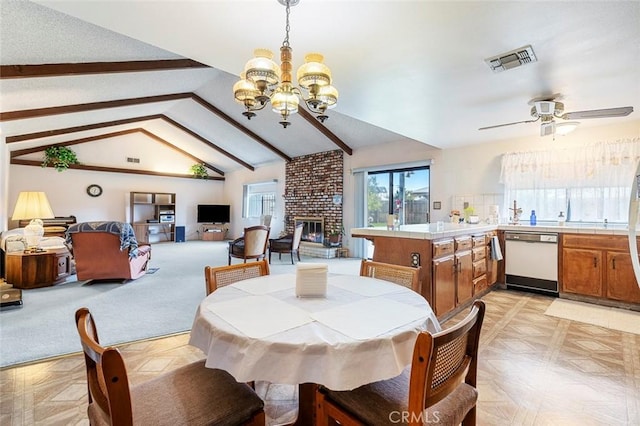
pixel 34 206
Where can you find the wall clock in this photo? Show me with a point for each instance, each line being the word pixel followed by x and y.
pixel 94 190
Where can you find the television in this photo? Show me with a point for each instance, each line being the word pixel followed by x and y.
pixel 214 213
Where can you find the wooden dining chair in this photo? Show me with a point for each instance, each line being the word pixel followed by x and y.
pixel 439 388
pixel 404 275
pixel 220 276
pixel 189 395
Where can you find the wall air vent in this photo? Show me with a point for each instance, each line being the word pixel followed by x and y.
pixel 513 59
pixel 133 160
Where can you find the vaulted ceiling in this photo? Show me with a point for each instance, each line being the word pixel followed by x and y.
pixel 411 71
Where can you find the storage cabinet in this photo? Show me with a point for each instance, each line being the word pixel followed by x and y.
pixel 443 276
pixel 152 216
pixel 32 270
pixel 598 266
pixel 452 279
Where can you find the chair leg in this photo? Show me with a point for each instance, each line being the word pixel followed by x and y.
pixel 269 256
pixel 298 253
pixel 229 259
pixel 292 258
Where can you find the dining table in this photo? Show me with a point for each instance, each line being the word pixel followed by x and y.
pixel 361 331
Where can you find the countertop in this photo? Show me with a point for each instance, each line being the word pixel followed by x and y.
pixel 431 231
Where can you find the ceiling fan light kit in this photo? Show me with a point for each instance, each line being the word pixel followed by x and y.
pixel 547 110
pixel 263 81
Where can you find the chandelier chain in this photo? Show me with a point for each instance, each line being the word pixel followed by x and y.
pixel 287 27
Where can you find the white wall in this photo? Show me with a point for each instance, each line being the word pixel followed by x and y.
pixel 67 194
pixel 233 196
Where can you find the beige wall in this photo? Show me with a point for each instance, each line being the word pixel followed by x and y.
pixel 67 194
pixel 465 170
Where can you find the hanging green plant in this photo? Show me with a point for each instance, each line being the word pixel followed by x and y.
pixel 199 171
pixel 60 157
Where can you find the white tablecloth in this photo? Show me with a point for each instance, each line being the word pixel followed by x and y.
pixel 363 331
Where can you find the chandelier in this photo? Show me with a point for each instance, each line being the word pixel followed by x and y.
pixel 262 82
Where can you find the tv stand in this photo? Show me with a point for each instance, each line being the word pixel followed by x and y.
pixel 214 232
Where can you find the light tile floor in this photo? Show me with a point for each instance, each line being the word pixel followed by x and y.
pixel 534 369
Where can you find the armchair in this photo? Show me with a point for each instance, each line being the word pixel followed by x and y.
pixel 252 245
pixel 287 244
pixel 107 250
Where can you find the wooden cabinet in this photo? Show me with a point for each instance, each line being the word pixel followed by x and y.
pixel 152 216
pixel 621 281
pixel 464 276
pixel 453 275
pixel 32 270
pixel 213 232
pixel 444 284
pixel 598 266
pixel 582 271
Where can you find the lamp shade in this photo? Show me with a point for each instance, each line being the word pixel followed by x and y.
pixel 32 205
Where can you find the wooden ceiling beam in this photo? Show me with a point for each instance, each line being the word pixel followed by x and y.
pixel 326 132
pixel 239 126
pixel 64 131
pixel 56 132
pixel 66 69
pixel 182 151
pixel 18 153
pixel 208 142
pixel 91 106
pixel 112 169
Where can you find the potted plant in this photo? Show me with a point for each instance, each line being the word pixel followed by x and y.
pixel 199 171
pixel 60 157
pixel 335 236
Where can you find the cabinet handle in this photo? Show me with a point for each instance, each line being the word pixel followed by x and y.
pixel 595 262
pixel 613 263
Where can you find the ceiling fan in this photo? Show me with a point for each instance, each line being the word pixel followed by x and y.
pixel 547 109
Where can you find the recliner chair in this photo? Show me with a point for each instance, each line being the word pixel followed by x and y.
pixel 107 251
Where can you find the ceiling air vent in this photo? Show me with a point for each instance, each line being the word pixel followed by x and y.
pixel 513 59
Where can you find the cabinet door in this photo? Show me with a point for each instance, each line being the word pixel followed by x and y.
pixel 582 271
pixel 621 281
pixel 464 278
pixel 444 285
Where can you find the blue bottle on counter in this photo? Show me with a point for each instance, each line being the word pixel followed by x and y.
pixel 532 218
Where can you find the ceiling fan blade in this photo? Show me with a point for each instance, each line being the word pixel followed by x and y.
pixel 507 124
pixel 598 113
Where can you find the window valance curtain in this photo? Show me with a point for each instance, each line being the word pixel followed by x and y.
pixel 604 164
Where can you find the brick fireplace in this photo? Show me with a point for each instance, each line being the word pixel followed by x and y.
pixel 313 195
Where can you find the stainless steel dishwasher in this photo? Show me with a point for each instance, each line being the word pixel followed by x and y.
pixel 531 261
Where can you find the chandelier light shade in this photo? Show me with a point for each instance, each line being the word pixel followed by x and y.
pixel 34 206
pixel 262 81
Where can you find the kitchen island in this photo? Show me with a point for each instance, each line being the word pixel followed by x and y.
pixel 594 264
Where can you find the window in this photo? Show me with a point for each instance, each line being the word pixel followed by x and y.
pixel 588 183
pixel 259 199
pixel 403 193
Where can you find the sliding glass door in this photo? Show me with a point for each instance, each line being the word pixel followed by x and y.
pixel 398 197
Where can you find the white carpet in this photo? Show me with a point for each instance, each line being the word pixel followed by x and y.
pixel 154 305
pixel 603 316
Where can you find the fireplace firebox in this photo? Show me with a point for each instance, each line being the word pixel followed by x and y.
pixel 312 229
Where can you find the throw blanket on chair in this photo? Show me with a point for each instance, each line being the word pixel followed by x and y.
pixel 122 229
